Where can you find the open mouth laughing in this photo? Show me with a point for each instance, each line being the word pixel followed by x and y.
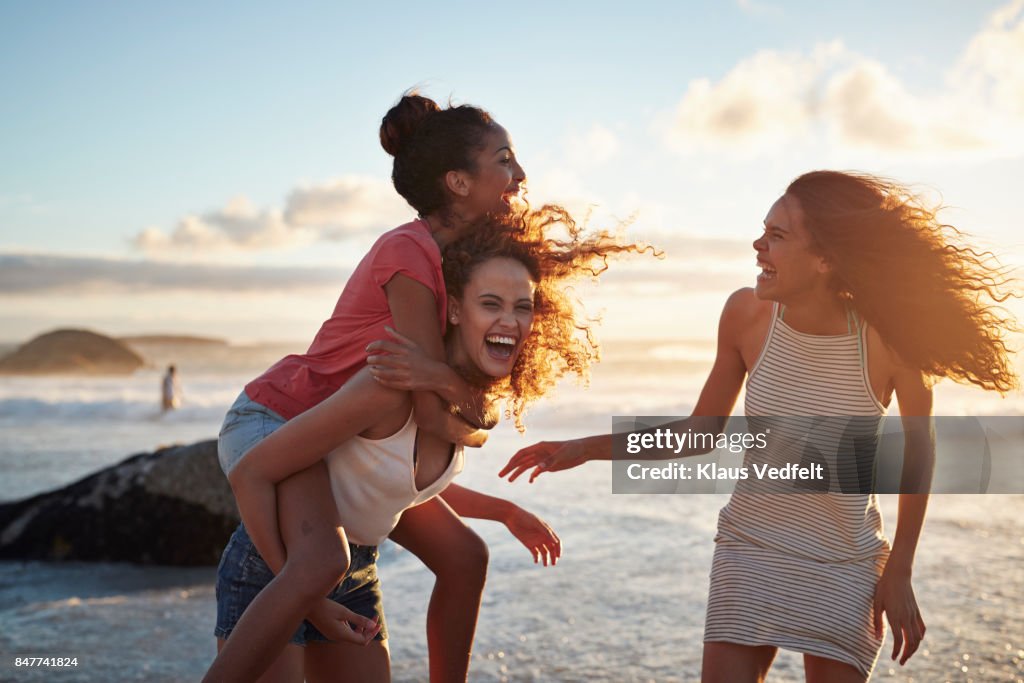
pixel 768 272
pixel 500 347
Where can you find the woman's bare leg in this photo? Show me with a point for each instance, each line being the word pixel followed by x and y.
pixel 339 662
pixel 287 668
pixel 732 663
pixel 458 558
pixel 824 670
pixel 317 560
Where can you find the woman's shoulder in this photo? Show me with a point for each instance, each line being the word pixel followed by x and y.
pixel 744 306
pixel 744 323
pixel 415 230
pixel 882 358
pixel 410 238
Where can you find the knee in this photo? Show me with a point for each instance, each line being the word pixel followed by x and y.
pixel 320 562
pixel 469 564
pixel 478 555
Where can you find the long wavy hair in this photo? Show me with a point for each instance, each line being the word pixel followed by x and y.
pixel 556 252
pixel 932 296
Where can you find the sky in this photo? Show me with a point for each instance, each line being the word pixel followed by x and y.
pixel 214 168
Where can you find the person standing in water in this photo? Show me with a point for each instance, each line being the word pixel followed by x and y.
pixel 170 390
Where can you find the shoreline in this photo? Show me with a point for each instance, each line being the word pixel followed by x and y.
pixel 133 622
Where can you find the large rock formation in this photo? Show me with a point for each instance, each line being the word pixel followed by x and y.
pixel 71 352
pixel 172 340
pixel 173 506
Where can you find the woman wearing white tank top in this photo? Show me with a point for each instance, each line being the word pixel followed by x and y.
pixel 863 294
pixel 512 332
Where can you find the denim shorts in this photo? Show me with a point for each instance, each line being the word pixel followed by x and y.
pixel 242 574
pixel 246 424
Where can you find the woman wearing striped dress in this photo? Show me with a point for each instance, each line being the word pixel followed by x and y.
pixel 862 295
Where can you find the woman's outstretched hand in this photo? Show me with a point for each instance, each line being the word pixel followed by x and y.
pixel 895 597
pixel 399 363
pixel 546 456
pixel 533 532
pixel 340 623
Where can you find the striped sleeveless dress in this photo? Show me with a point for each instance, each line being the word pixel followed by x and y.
pixel 798 571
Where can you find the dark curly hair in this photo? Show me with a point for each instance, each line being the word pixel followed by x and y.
pixel 427 142
pixel 561 340
pixel 931 296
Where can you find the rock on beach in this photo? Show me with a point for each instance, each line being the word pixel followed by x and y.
pixel 172 506
pixel 75 352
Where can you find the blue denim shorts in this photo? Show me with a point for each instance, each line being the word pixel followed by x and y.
pixel 246 424
pixel 242 574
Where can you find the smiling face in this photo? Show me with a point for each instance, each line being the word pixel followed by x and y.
pixel 789 268
pixel 496 182
pixel 493 318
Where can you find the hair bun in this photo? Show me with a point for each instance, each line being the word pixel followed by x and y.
pixel 402 119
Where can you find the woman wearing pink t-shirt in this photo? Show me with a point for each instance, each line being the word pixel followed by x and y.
pixel 453 166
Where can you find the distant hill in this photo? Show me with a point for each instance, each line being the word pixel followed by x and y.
pixel 78 352
pixel 177 339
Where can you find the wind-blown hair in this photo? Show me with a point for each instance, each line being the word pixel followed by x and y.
pixel 561 341
pixel 931 296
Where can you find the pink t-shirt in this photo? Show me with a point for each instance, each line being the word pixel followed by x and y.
pixel 298 382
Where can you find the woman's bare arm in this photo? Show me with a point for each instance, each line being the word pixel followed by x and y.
pixel 716 401
pixel 298 444
pixel 533 532
pixel 894 595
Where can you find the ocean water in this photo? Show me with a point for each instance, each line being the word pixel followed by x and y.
pixel 626 602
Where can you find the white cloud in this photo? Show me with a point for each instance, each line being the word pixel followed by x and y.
pixel 345 207
pixel 560 185
pixel 350 206
pixel 565 176
pixel 992 67
pixel 25 274
pixel 757 105
pixel 773 99
pixel 238 225
pixel 705 250
pixel 596 146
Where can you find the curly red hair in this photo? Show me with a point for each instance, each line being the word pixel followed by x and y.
pixel 561 341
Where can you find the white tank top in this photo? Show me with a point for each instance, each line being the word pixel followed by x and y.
pixel 374 481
